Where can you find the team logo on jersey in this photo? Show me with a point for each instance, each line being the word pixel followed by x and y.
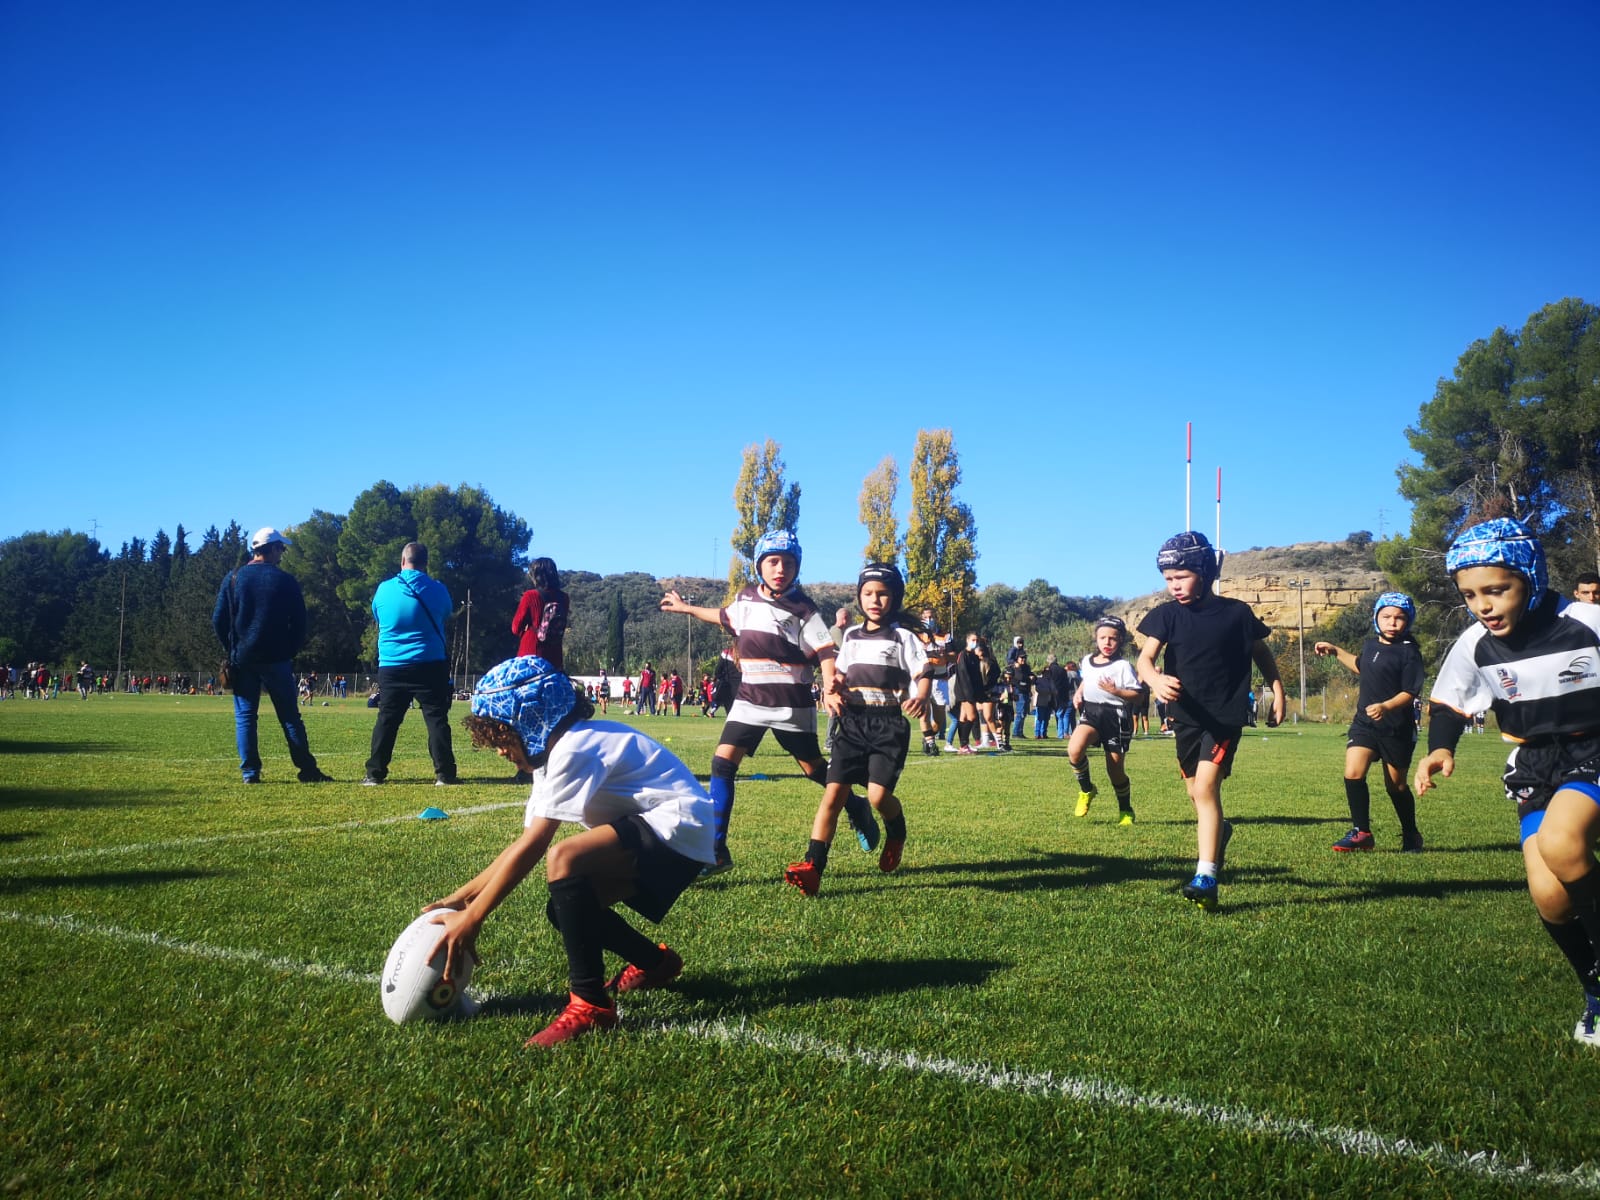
pixel 1508 682
pixel 1577 671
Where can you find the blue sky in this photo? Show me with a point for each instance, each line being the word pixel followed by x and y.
pixel 255 257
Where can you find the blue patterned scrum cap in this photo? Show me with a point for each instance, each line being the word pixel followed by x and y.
pixel 1394 600
pixel 1502 542
pixel 777 541
pixel 1189 551
pixel 528 694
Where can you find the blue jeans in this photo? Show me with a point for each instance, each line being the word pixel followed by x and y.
pixel 1066 721
pixel 248 680
pixel 1024 703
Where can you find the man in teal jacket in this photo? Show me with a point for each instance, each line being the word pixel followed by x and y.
pixel 411 610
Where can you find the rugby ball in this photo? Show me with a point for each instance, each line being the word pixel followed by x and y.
pixel 413 986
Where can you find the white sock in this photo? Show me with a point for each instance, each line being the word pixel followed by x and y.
pixel 1206 867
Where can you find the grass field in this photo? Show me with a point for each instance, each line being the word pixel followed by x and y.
pixel 1025 1008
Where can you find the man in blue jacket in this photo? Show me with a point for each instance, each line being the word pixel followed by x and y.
pixel 261 618
pixel 411 610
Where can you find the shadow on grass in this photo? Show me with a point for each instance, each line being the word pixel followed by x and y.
pixel 800 985
pixel 21 835
pixel 66 798
pixel 16 884
pixel 16 746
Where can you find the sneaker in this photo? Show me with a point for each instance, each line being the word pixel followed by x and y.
pixel 315 775
pixel 966 750
pixel 1410 843
pixel 1202 890
pixel 862 821
pixel 1359 839
pixel 252 779
pixel 635 979
pixel 930 747
pixel 805 876
pixel 1084 800
pixel 890 858
pixel 1587 1030
pixel 578 1018
pixel 950 747
pixel 1125 816
pixel 446 781
pixel 1222 845
pixel 724 863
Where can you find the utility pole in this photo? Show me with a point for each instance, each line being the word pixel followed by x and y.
pixel 1299 586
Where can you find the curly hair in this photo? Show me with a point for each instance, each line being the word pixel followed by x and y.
pixel 487 733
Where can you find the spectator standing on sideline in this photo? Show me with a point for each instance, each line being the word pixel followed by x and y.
pixel 411 609
pixel 260 617
pixel 1051 699
pixel 647 691
pixel 85 680
pixel 1021 686
pixel 1586 587
pixel 541 620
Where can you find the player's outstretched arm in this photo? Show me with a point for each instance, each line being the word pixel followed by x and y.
pixel 1346 659
pixel 674 603
pixel 478 898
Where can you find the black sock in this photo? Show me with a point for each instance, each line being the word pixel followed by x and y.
pixel 1573 941
pixel 575 912
pixel 1124 796
pixel 1355 791
pixel 1405 807
pixel 626 942
pixel 1585 896
pixel 1081 770
pixel 895 830
pixel 817 854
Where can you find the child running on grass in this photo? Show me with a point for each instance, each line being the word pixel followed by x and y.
pixel 646 834
pixel 1210 642
pixel 1536 662
pixel 881 676
pixel 1109 687
pixel 779 637
pixel 1385 724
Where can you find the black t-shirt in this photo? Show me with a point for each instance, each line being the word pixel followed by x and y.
pixel 1387 669
pixel 1208 647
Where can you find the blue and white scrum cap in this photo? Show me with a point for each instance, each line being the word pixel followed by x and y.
pixel 528 694
pixel 1502 542
pixel 1394 600
pixel 1189 551
pixel 777 541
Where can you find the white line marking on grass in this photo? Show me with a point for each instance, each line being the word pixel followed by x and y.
pixel 288 966
pixel 248 835
pixel 1097 1093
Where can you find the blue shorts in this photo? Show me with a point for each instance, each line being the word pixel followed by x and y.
pixel 1536 771
pixel 1530 821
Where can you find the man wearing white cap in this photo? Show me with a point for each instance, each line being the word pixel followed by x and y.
pixel 261 618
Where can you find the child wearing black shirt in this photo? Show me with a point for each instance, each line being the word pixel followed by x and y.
pixel 1210 642
pixel 1385 724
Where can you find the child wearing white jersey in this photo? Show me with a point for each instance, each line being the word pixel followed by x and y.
pixel 1107 689
pixel 647 832
pixel 882 675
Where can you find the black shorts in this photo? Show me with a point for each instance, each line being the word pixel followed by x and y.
pixel 1394 749
pixel 1215 744
pixel 663 873
pixel 803 746
pixel 1113 723
pixel 1537 771
pixel 870 747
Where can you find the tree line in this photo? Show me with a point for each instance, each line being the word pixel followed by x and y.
pixel 1513 431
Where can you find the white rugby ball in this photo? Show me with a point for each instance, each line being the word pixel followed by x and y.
pixel 413 984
